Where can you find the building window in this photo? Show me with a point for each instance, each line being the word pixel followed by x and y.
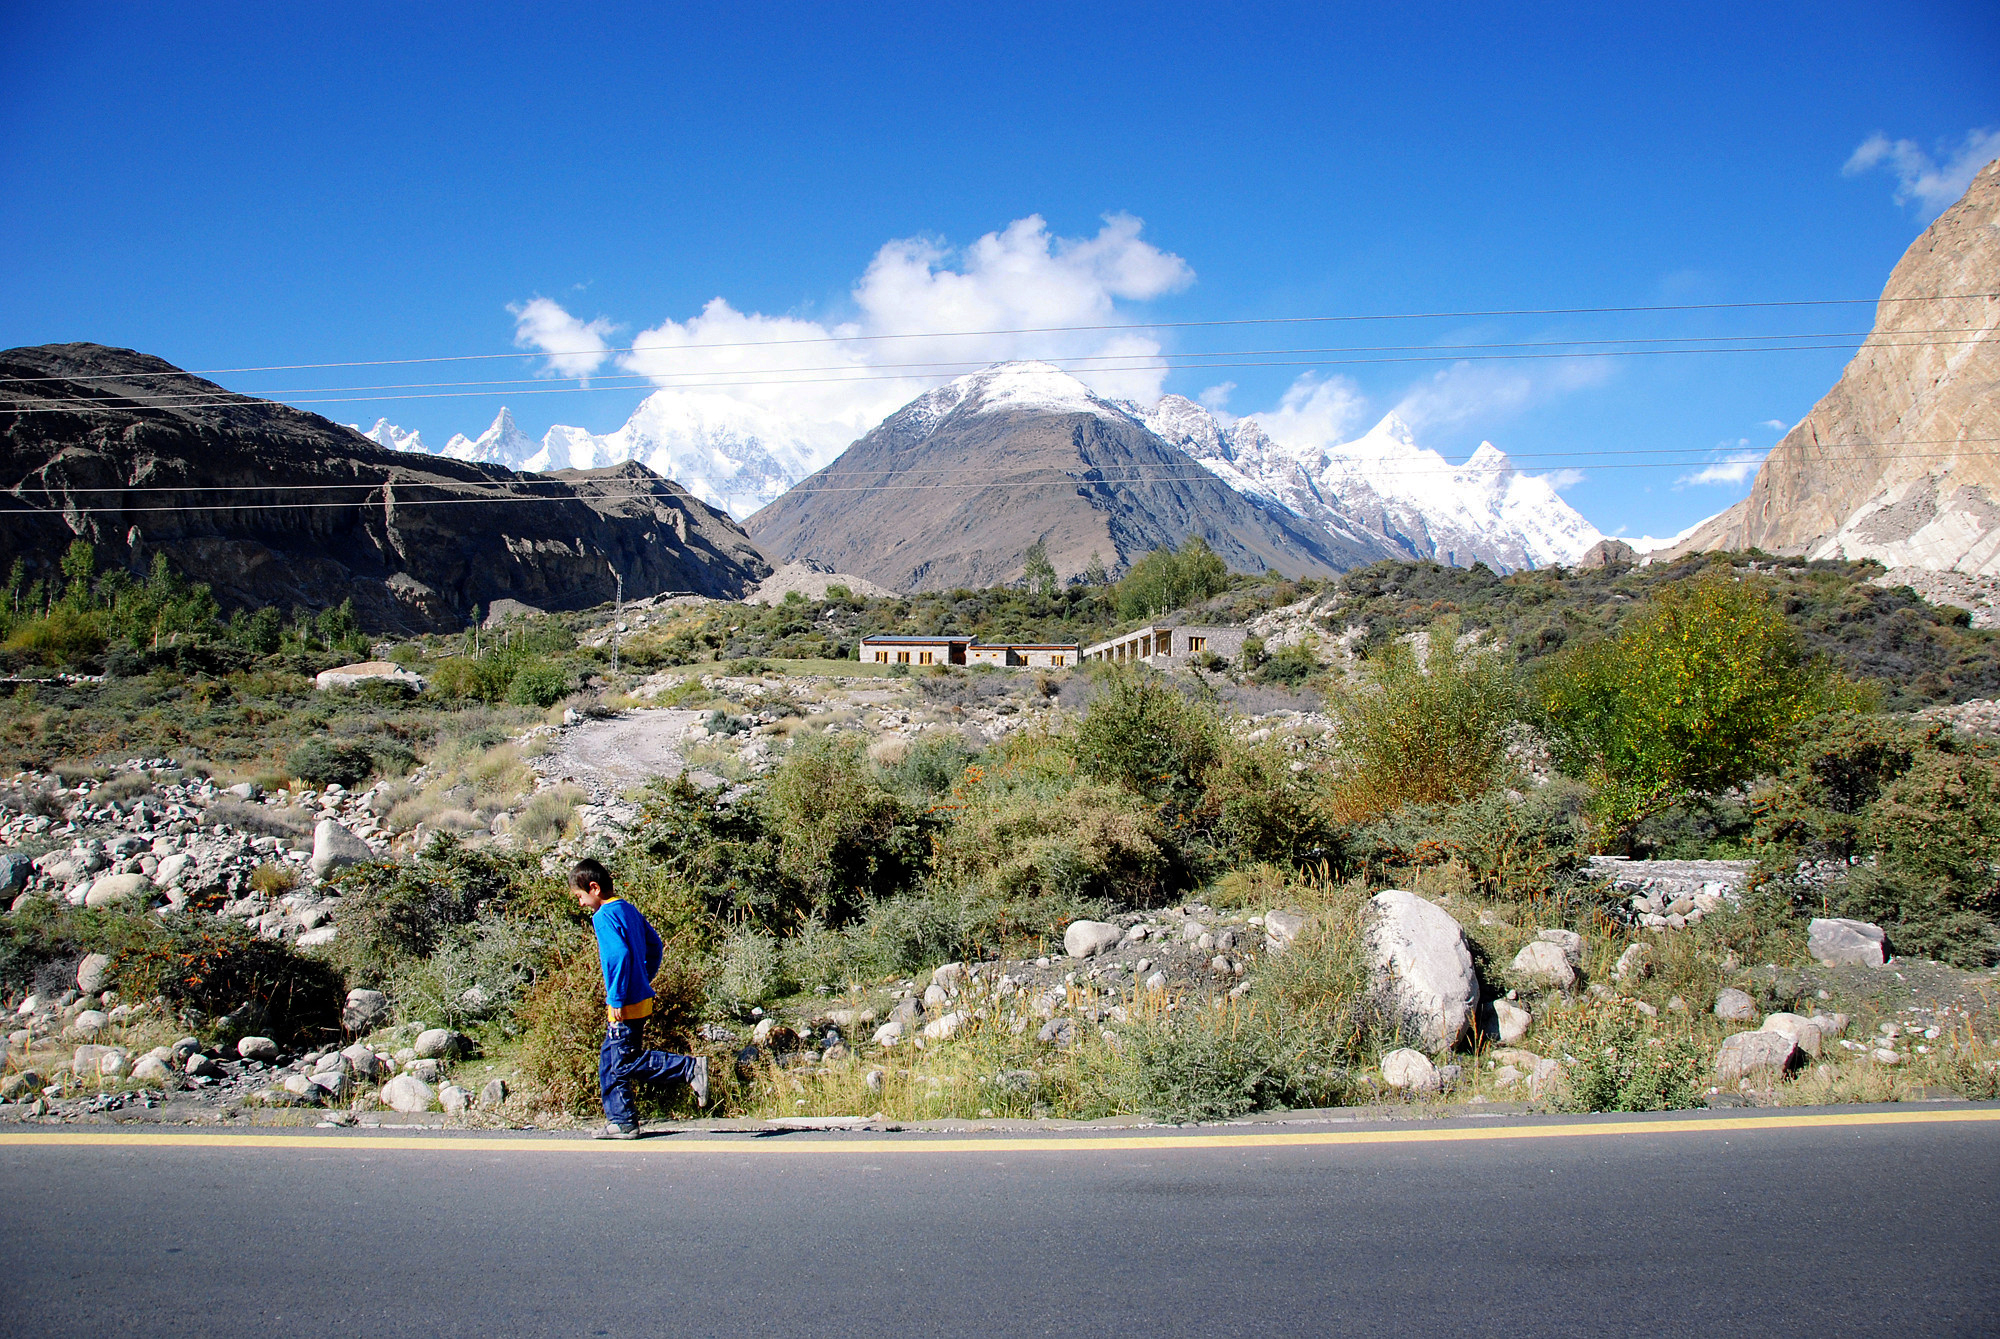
pixel 1163 644
pixel 1145 647
pixel 1056 661
pixel 1197 644
pixel 923 657
pixel 902 657
pixel 881 657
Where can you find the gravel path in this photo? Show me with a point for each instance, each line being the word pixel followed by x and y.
pixel 608 758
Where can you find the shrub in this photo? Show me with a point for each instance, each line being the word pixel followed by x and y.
pixel 839 836
pixel 1429 733
pixel 1516 847
pixel 1289 665
pixel 745 971
pixel 548 815
pixel 208 966
pixel 1692 694
pixel 66 636
pixel 538 684
pixel 1026 863
pixel 1621 1066
pixel 930 766
pixel 330 762
pixel 393 913
pixel 1141 734
pixel 272 880
pixel 1258 809
pixel 478 971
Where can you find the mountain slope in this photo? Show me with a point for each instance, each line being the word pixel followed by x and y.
pixel 953 489
pixel 1900 461
pixel 1384 489
pixel 271 505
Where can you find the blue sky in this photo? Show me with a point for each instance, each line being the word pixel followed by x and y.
pixel 231 186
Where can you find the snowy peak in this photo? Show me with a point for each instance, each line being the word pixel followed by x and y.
pixel 501 444
pixel 387 435
pixel 1386 485
pixel 1032 387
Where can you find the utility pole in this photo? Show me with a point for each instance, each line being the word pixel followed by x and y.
pixel 618 626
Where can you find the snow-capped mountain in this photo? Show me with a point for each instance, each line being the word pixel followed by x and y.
pixel 728 454
pixel 1382 493
pixel 1385 485
pixel 387 434
pixel 501 444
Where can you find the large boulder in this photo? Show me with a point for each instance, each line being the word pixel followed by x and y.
pixel 1750 1054
pixel 1281 928
pixel 1800 1031
pixel 1409 1069
pixel 334 846
pixel 1634 964
pixel 1510 1022
pixel 408 1094
pixel 14 871
pixel 1542 963
pixel 93 974
pixel 368 671
pixel 112 889
pixel 1734 1006
pixel 1838 942
pixel 1086 939
pixel 366 1010
pixel 1422 967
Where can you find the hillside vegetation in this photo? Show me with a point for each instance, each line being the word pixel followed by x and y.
pixel 1471 737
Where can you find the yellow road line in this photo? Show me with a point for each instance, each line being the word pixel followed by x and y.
pixel 1030 1143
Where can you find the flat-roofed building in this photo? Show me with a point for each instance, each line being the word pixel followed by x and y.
pixel 1162 645
pixel 954 650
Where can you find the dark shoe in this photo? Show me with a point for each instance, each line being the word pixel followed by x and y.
pixel 700 1081
pixel 616 1131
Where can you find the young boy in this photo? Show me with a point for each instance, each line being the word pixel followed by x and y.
pixel 629 950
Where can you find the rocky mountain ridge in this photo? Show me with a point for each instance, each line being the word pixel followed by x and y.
pixel 1383 488
pixel 955 487
pixel 275 506
pixel 1900 461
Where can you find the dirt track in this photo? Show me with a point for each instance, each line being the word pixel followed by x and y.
pixel 608 758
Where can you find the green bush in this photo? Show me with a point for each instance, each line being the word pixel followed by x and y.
pixel 745 971
pixel 1141 734
pixel 325 762
pixel 538 684
pixel 1256 808
pixel 1289 665
pixel 393 914
pixel 1621 1066
pixel 208 966
pixel 1169 578
pixel 1522 847
pixel 931 766
pixel 1030 861
pixel 1694 694
pixel 1427 734
pixel 477 972
pixel 840 837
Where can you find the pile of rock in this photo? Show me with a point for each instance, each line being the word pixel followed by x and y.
pixel 1780 1044
pixel 1672 894
pixel 184 842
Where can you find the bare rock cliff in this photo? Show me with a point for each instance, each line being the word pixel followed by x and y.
pixel 274 506
pixel 1900 461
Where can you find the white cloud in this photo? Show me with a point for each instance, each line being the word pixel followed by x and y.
pixel 1482 392
pixel 1732 465
pixel 1561 479
pixel 1918 176
pixel 1775 425
pixel 1315 411
pixel 834 381
pixel 574 348
pixel 1216 398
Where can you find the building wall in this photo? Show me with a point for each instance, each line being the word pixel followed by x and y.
pixel 1165 646
pixel 905 653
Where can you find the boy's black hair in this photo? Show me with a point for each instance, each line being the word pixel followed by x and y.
pixel 587 871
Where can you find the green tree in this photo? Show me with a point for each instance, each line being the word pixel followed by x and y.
pixel 1141 734
pixel 79 566
pixel 1169 578
pixel 1038 574
pixel 1427 733
pixel 1691 695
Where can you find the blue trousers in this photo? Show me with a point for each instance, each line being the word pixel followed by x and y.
pixel 622 1061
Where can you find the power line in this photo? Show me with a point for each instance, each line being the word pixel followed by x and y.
pixel 808 486
pixel 1065 329
pixel 1163 363
pixel 1555 459
pixel 1134 362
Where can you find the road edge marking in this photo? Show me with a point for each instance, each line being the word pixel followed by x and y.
pixel 1025 1143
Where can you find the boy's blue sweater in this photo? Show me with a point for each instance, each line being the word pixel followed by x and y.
pixel 629 950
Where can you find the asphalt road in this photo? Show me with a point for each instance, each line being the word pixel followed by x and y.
pixel 1706 1228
